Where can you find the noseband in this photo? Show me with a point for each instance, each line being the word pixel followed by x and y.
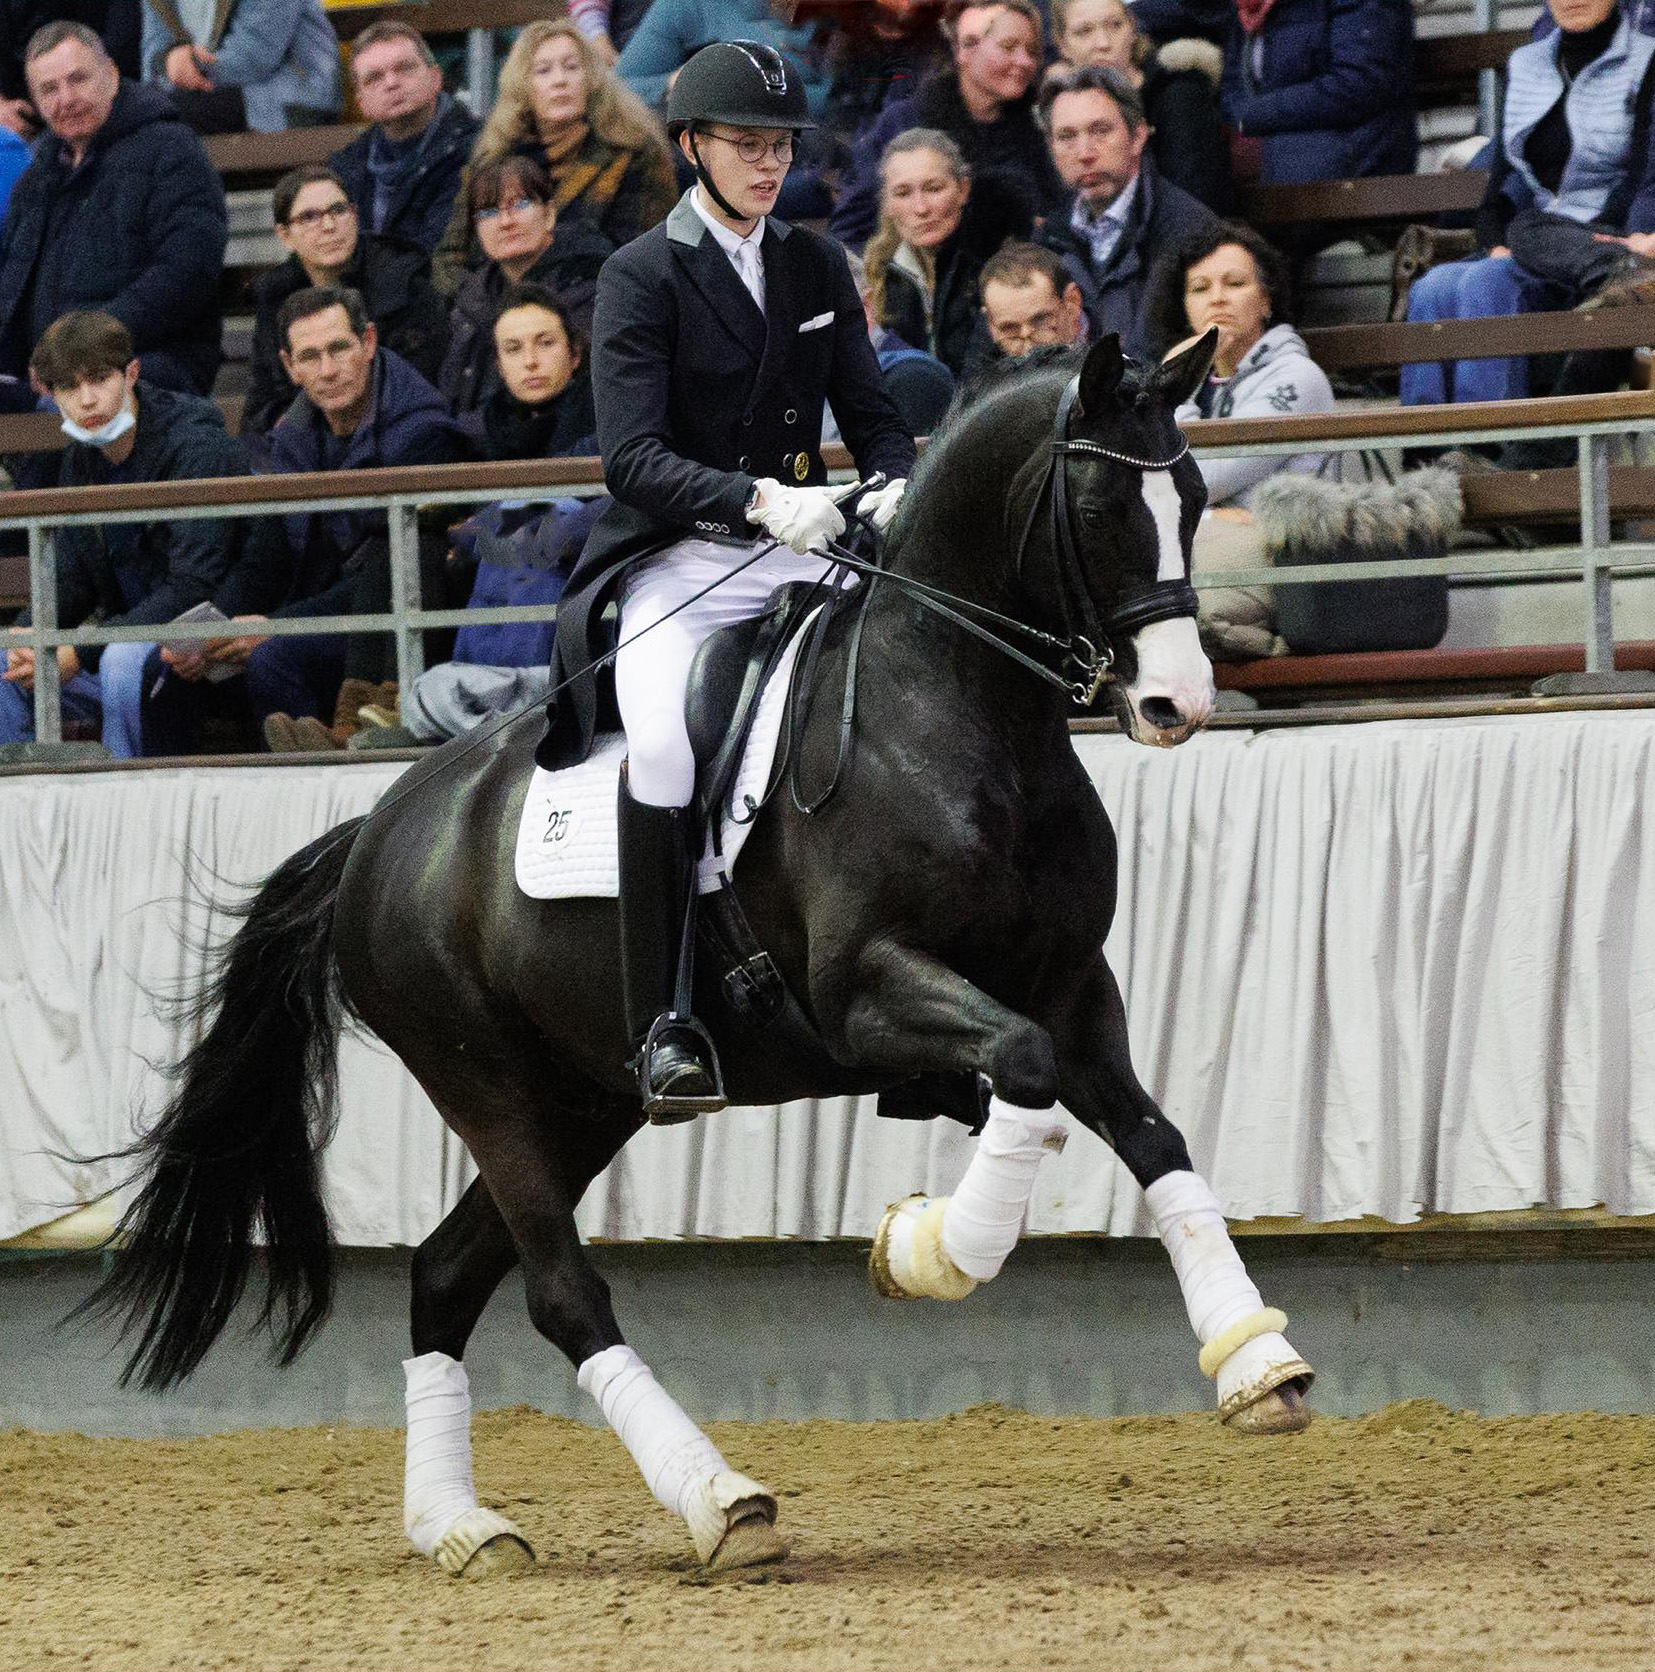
pixel 1092 647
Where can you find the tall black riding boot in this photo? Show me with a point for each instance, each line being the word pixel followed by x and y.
pixel 678 1074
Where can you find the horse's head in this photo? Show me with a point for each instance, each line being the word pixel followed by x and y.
pixel 1126 497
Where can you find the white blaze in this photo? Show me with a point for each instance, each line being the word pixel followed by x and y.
pixel 1171 662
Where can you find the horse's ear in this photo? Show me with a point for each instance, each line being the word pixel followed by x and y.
pixel 1183 373
pixel 1101 375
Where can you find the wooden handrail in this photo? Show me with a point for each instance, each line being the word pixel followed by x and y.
pixel 548 475
pixel 1416 342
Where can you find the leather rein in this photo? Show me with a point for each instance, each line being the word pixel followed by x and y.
pixel 1087 657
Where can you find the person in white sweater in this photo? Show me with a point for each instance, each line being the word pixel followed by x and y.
pixel 1232 279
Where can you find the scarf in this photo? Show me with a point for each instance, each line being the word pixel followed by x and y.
pixel 570 140
pixel 1253 13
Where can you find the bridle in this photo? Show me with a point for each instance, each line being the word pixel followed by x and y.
pixel 1085 658
pixel 1092 647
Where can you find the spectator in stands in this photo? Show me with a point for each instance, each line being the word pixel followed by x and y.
pixel 917 384
pixel 540 404
pixel 361 407
pixel 1121 216
pixel 1231 279
pixel 19 20
pixel 121 429
pixel 1569 214
pixel 1325 86
pixel 318 226
pixel 984 104
pixel 935 232
pixel 514 212
pixel 264 65
pixel 1030 301
pixel 670 35
pixel 605 152
pixel 403 174
pixel 119 210
pixel 608 24
pixel 1177 83
pixel 876 55
pixel 520 553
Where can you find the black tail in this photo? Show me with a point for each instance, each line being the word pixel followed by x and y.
pixel 236 1150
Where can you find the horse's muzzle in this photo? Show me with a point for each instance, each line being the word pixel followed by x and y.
pixel 1172 693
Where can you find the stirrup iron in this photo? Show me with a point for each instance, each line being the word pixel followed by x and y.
pixel 668 1108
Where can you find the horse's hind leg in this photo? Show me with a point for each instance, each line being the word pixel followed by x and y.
pixel 1261 1379
pixel 455 1271
pixel 535 1167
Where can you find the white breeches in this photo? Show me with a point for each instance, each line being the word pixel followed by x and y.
pixel 652 676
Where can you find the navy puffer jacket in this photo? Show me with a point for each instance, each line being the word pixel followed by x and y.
pixel 1328 86
pixel 139 230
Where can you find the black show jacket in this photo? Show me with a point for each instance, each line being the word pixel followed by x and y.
pixel 698 395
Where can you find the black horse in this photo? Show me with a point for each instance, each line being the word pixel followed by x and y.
pixel 942 914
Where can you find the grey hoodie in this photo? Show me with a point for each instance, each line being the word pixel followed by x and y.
pixel 1277 376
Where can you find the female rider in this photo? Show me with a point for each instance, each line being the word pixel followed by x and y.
pixel 717 337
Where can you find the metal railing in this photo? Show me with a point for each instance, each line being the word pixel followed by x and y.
pixel 402 493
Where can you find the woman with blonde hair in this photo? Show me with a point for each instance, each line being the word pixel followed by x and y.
pixel 936 229
pixel 605 152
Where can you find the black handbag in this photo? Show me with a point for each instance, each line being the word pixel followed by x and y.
pixel 1322 519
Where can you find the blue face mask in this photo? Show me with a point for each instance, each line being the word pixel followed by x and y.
pixel 106 434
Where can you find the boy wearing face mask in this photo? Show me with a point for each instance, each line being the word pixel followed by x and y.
pixel 120 574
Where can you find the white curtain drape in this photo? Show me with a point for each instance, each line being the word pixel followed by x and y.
pixel 1382 969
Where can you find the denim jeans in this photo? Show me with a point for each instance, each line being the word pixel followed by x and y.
pixel 1485 287
pixel 110 696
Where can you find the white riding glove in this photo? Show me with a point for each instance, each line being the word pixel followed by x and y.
pixel 880 508
pixel 803 518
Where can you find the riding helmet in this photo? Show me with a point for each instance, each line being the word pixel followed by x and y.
pixel 744 83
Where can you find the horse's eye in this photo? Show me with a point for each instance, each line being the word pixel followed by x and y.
pixel 1094 516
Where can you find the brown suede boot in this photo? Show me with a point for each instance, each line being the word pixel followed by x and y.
pixel 283 735
pixel 353 695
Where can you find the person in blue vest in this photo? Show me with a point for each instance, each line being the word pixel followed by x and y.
pixel 1569 214
pixel 717 337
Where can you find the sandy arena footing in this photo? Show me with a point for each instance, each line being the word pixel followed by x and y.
pixel 1415 1538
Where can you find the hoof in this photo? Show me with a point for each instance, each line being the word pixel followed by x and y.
pixel 482 1545
pixel 908 1261
pixel 1281 1411
pixel 733 1522
pixel 1261 1387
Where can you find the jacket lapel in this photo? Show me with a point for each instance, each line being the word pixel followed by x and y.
pixel 781 306
pixel 709 269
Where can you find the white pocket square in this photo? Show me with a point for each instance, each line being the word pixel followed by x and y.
pixel 818 322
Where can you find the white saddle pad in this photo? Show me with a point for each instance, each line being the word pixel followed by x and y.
pixel 567 847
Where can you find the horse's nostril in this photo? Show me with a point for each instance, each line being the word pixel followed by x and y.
pixel 1161 713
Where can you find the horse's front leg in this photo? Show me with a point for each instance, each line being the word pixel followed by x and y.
pixel 913 1014
pixel 1261 1380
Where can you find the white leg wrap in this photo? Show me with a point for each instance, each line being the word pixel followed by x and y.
pixel 985 1214
pixel 1218 1293
pixel 730 1518
pixel 436 1482
pixel 672 1454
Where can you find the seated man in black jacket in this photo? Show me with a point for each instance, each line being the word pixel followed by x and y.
pixel 119 210
pixel 321 230
pixel 403 173
pixel 361 407
pixel 1121 215
pixel 130 573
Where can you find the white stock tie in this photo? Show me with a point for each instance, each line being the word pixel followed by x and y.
pixel 749 271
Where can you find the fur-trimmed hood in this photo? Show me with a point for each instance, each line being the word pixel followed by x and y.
pixel 1304 517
